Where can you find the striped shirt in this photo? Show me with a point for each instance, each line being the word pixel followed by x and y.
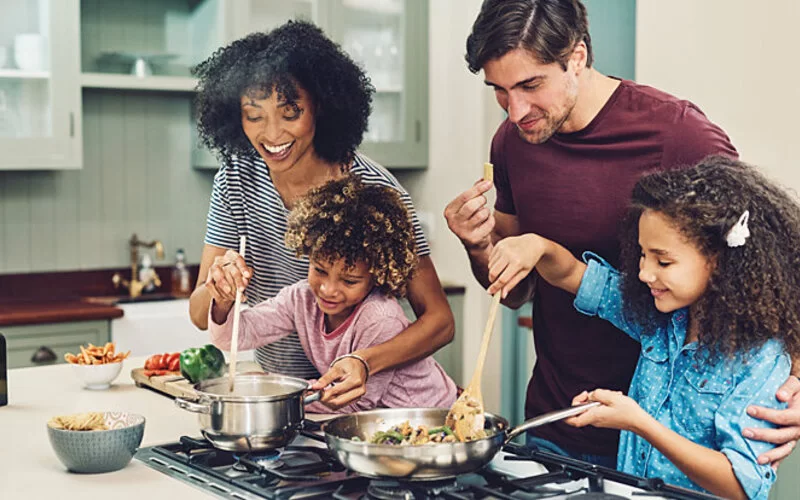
pixel 244 202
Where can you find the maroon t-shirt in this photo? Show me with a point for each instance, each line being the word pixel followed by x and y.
pixel 574 189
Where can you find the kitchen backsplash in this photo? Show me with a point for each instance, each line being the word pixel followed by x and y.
pixel 136 178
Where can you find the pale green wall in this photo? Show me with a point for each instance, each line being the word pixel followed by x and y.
pixel 136 178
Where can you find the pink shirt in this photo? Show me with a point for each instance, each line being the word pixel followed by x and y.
pixel 422 384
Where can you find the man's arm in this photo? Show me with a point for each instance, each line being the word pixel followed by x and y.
pixel 479 228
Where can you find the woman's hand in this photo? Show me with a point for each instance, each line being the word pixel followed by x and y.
pixel 788 422
pixel 227 273
pixel 349 379
pixel 617 412
pixel 512 259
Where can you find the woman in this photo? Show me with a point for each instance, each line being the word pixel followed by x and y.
pixel 286 111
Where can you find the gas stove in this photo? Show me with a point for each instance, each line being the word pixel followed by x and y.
pixel 306 470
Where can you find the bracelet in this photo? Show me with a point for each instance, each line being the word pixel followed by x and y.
pixel 354 356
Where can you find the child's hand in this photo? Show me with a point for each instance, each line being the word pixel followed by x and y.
pixel 617 412
pixel 349 377
pixel 512 259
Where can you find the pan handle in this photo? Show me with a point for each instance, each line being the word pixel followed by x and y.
pixel 549 418
pixel 316 396
pixel 192 406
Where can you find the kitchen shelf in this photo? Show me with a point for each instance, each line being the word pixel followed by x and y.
pixel 24 75
pixel 131 82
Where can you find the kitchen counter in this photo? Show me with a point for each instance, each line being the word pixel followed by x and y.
pixel 30 469
pixel 38 311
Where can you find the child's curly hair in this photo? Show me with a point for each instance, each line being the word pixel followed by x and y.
pixel 348 219
pixel 753 293
pixel 296 53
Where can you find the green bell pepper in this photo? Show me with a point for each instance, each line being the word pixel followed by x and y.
pixel 201 363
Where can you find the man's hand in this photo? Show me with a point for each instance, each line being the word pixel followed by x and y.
pixel 617 412
pixel 470 219
pixel 788 420
pixel 349 377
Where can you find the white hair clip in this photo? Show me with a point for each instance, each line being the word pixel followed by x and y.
pixel 739 232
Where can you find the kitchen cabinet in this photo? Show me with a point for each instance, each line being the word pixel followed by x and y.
pixel 151 45
pixel 51 341
pixel 40 93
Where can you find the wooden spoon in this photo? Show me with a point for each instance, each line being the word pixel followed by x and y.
pixel 466 415
pixel 237 307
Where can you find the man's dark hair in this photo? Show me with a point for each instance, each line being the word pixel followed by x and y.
pixel 549 29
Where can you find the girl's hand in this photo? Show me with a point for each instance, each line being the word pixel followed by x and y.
pixel 349 377
pixel 617 412
pixel 227 273
pixel 512 259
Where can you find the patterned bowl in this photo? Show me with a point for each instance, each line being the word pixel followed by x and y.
pixel 94 452
pixel 98 377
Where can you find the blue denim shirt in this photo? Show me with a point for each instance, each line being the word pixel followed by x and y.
pixel 678 385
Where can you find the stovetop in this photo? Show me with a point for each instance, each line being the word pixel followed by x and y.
pixel 306 470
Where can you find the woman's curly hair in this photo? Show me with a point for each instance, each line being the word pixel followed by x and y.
pixel 753 292
pixel 296 53
pixel 347 219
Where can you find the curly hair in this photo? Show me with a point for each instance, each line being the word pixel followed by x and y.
pixel 753 292
pixel 296 53
pixel 348 219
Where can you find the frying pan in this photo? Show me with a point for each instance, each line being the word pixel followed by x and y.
pixel 424 462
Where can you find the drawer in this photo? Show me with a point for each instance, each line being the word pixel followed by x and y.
pixel 61 338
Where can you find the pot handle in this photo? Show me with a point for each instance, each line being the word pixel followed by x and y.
pixel 192 406
pixel 549 418
pixel 316 396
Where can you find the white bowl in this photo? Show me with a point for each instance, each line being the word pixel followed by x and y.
pixel 98 377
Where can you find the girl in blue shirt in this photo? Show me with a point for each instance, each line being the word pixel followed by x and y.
pixel 709 285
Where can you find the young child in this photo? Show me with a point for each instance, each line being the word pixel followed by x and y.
pixel 709 286
pixel 360 245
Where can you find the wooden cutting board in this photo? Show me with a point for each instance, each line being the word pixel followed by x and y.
pixel 173 385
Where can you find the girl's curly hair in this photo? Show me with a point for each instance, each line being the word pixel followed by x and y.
pixel 753 293
pixel 296 53
pixel 348 219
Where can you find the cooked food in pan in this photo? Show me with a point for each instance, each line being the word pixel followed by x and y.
pixel 466 419
pixel 405 435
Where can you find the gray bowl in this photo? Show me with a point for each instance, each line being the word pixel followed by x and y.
pixel 93 452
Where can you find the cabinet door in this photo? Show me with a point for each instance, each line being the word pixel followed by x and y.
pixel 40 99
pixel 389 38
pixel 57 339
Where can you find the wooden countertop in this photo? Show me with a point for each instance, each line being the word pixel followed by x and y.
pixel 37 311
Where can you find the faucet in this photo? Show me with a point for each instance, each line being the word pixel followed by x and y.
pixel 135 286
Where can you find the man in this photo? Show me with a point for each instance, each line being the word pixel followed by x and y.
pixel 566 158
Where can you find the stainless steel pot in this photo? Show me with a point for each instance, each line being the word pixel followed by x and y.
pixel 264 411
pixel 424 462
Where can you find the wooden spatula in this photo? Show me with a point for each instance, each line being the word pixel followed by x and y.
pixel 237 307
pixel 466 415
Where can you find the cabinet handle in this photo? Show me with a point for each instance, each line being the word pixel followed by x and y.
pixel 418 125
pixel 43 355
pixel 72 124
